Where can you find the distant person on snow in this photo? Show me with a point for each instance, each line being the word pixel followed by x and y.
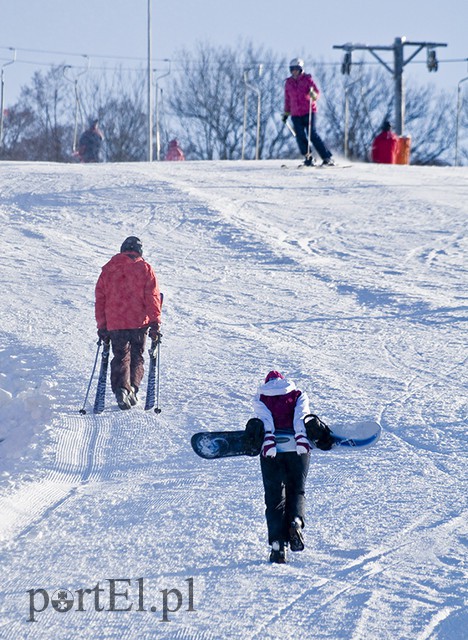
pixel 300 102
pixel 385 145
pixel 127 304
pixel 89 145
pixel 174 152
pixel 280 406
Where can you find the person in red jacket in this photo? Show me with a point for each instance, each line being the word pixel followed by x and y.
pixel 300 101
pixel 385 145
pixel 174 152
pixel 128 303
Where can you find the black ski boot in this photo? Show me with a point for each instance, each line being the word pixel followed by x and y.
pixel 310 162
pixel 296 539
pixel 278 552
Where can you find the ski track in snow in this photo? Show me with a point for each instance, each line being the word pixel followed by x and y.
pixel 352 282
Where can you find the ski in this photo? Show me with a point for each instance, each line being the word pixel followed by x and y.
pixel 153 352
pixel 316 166
pixel 100 400
pixel 152 395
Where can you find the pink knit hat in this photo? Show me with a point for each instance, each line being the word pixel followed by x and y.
pixel 272 375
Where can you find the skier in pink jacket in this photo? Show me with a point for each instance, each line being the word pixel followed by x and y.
pixel 300 102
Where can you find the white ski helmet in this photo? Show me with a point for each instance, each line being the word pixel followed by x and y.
pixel 297 62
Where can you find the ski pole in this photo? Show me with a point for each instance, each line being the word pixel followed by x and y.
pixel 83 410
pixel 290 128
pixel 309 130
pixel 158 355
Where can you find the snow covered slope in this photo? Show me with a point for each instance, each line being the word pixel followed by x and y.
pixel 353 282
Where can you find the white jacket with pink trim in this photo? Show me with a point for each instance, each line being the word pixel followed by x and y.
pixel 281 387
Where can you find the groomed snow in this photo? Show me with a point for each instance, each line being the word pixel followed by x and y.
pixel 351 281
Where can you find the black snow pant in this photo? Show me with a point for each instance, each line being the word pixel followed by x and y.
pixel 301 127
pixel 284 478
pixel 127 364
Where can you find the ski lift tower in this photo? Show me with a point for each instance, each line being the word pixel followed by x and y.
pixel 74 81
pixel 399 63
pixel 457 123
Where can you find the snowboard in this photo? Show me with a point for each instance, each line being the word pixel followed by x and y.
pixel 225 444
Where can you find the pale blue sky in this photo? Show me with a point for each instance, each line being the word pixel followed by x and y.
pixel 102 28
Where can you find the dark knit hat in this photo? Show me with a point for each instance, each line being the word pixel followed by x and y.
pixel 132 243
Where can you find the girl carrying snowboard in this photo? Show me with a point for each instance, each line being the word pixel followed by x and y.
pixel 280 406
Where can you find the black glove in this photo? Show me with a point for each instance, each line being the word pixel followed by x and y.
pixel 104 335
pixel 154 332
pixel 254 433
pixel 285 116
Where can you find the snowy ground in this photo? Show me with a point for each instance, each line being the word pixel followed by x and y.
pixel 351 281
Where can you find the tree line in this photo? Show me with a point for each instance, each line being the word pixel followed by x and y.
pixel 206 107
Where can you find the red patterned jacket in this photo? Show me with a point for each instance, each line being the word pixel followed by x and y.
pixel 127 294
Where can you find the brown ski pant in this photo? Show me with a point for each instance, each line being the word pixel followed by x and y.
pixel 127 364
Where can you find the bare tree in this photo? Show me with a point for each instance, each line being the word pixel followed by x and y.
pixel 206 99
pixel 17 121
pixel 366 98
pixel 208 96
pixel 43 106
pixel 41 125
pixel 431 121
pixel 369 93
pixel 118 101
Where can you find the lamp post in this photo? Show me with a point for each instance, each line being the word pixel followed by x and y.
pixel 458 117
pixel 250 87
pixel 156 81
pixel 150 89
pixel 346 118
pixel 2 102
